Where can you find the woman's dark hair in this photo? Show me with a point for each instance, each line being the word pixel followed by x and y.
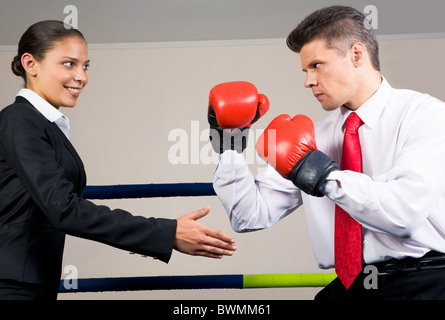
pixel 38 39
pixel 340 26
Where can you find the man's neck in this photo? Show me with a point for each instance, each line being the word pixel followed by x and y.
pixel 367 88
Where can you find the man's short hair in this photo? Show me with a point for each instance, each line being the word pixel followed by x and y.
pixel 340 27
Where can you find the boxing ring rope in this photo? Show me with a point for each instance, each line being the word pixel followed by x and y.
pixel 195 189
pixel 225 281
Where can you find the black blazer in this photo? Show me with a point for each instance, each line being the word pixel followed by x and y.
pixel 42 180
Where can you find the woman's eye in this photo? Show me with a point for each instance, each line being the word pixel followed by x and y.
pixel 68 64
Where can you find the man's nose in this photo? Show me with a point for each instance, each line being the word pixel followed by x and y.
pixel 310 80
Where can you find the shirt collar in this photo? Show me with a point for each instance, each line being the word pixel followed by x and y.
pixel 43 106
pixel 370 111
pixel 46 109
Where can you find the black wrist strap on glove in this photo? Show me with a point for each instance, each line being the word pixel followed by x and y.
pixel 311 171
pixel 226 139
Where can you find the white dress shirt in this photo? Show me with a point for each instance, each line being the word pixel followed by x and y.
pixel 47 110
pixel 399 199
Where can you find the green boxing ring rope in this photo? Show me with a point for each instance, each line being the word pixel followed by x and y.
pixel 230 281
pixel 287 280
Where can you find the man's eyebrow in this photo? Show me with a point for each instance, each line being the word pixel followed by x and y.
pixel 312 64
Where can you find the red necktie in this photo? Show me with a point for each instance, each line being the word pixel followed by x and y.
pixel 348 232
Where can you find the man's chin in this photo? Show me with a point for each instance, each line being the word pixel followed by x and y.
pixel 328 107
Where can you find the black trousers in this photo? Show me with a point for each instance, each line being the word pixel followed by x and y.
pixel 15 290
pixel 414 285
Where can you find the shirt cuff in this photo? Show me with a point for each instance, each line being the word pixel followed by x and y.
pixel 332 186
pixel 230 160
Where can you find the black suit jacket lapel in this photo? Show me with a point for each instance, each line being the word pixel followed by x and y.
pixel 70 147
pixel 56 130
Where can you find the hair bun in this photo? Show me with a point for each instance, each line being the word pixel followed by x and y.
pixel 17 68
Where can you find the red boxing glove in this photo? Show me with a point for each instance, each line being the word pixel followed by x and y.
pixel 233 108
pixel 285 141
pixel 237 104
pixel 289 146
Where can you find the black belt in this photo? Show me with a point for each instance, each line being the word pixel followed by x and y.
pixel 431 260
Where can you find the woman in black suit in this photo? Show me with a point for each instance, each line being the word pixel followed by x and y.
pixel 42 178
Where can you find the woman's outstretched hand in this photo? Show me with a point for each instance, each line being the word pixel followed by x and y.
pixel 195 238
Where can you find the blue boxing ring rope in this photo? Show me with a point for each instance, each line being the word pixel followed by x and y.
pixel 195 189
pixel 227 281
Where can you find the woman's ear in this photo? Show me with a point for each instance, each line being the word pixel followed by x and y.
pixel 30 64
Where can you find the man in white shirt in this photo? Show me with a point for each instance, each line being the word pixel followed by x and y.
pixel 398 198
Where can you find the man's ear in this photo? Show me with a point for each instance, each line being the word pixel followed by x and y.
pixel 358 54
pixel 30 64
